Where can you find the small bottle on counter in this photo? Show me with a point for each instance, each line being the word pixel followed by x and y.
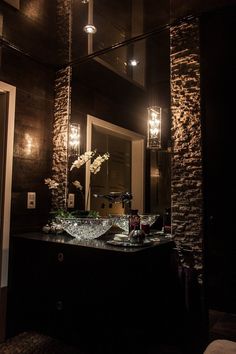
pixel 134 220
pixel 137 236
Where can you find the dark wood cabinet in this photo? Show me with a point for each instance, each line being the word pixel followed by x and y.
pixel 78 292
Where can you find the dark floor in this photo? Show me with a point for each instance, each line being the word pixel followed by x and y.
pixel 221 326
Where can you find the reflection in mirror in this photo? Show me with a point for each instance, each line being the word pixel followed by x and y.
pixel 116 177
pixel 160 179
pixel 121 95
pixel 115 22
pixel 126 163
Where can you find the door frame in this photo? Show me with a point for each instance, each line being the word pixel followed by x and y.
pixel 7 180
pixel 137 158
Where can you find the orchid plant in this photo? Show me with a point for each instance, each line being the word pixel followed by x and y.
pixel 95 167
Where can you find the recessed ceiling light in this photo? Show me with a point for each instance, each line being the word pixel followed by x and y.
pixel 84 1
pixel 133 62
pixel 90 29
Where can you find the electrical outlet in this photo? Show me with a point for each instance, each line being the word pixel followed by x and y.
pixel 71 200
pixel 31 200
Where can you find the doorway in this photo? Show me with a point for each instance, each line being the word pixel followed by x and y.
pixel 130 146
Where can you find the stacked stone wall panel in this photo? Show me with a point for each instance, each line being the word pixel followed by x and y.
pixel 186 184
pixel 62 105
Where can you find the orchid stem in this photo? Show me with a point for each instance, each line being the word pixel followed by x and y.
pixel 87 198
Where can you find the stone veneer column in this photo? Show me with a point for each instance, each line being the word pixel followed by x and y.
pixel 62 105
pixel 186 185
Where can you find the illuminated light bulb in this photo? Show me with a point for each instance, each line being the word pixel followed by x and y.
pixel 153 115
pixel 91 29
pixel 133 62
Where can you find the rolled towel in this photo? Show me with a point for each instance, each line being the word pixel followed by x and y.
pixel 221 346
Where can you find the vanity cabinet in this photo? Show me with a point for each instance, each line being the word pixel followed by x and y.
pixel 78 292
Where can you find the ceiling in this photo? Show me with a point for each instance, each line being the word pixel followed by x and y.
pixel 116 21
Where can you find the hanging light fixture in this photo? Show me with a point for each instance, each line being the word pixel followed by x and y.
pixel 90 28
pixel 74 139
pixel 154 128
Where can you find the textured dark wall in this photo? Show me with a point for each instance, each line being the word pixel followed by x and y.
pixel 181 8
pixel 218 79
pixel 33 116
pixel 32 28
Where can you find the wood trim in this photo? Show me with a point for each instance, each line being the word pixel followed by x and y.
pixel 11 90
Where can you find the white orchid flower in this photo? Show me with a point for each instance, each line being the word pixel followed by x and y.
pixel 82 159
pixel 51 183
pixel 77 185
pixel 96 165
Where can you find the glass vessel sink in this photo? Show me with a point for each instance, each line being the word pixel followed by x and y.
pixel 86 228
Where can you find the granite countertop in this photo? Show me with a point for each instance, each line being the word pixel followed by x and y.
pixel 156 239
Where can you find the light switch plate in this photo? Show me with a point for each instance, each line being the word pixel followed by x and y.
pixel 71 200
pixel 31 200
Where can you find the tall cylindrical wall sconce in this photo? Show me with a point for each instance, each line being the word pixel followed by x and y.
pixel 74 139
pixel 154 128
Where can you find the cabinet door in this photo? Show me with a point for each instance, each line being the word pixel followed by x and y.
pixel 26 297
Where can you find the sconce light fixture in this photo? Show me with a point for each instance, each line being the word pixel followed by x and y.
pixel 154 128
pixel 74 139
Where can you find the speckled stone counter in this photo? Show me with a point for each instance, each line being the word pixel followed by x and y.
pixel 100 243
